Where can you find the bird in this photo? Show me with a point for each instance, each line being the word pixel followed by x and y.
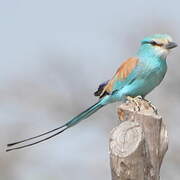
pixel 137 76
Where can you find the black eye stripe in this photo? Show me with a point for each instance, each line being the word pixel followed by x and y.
pixel 153 43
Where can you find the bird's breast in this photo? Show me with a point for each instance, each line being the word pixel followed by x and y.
pixel 148 76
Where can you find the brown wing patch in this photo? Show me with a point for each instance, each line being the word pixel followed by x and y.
pixel 121 74
pixel 126 68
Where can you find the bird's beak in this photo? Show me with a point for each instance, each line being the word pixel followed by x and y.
pixel 171 45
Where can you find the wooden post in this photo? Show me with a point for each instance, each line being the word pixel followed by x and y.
pixel 137 146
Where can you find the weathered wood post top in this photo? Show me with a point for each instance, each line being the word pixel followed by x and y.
pixel 137 146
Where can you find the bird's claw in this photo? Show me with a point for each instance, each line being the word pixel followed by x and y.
pixel 152 106
pixel 135 101
pixel 139 97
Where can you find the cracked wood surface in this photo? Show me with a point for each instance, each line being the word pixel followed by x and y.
pixel 137 146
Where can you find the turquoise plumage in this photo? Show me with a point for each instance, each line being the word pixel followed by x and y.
pixel 137 76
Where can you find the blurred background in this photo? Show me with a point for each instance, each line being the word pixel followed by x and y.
pixel 53 56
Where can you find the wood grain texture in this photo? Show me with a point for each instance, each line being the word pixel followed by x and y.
pixel 137 146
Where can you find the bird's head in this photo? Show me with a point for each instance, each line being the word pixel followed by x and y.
pixel 158 45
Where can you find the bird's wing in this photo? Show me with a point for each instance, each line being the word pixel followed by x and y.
pixel 100 89
pixel 122 74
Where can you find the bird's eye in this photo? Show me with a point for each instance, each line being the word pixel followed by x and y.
pixel 154 43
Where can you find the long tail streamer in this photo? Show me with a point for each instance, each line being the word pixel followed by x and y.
pixel 85 114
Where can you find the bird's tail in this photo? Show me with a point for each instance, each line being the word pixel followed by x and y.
pixel 85 114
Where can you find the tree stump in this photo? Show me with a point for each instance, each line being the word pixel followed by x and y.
pixel 137 146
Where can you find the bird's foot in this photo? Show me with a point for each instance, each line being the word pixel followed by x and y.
pixel 135 100
pixel 139 97
pixel 152 106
